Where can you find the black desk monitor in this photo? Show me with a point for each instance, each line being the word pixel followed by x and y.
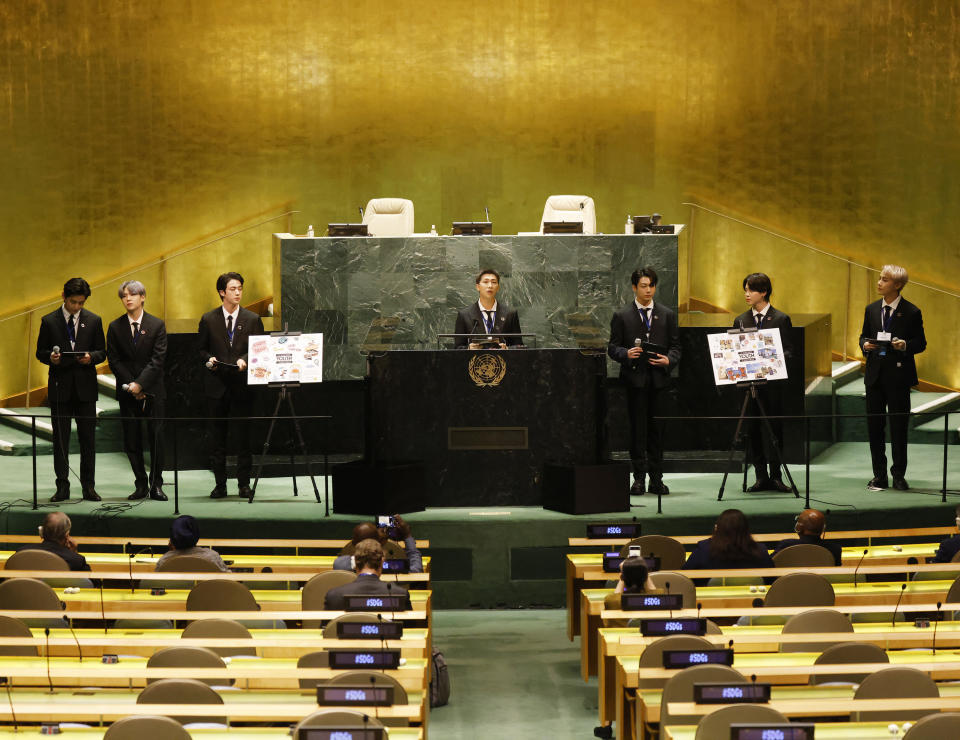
pixel 771 731
pixel 347 230
pixel 563 227
pixel 471 228
pixel 341 733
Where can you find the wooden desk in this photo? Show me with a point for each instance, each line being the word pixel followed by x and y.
pixel 585 570
pixel 235 733
pixel 265 643
pixel 238 706
pixel 162 542
pixel 249 673
pixel 822 730
pixel 739 601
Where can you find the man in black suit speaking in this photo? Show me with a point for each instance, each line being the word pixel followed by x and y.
pixel 486 316
pixel 892 334
pixel 645 375
pixel 136 350
pixel 71 343
pixel 223 336
pixel 757 289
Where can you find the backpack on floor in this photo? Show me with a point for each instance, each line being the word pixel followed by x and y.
pixel 439 680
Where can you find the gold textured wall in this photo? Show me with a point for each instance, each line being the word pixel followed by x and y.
pixel 133 128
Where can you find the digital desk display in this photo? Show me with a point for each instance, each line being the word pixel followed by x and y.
pixel 379 602
pixel 336 733
pixel 364 658
pixel 357 695
pixel 612 560
pixel 731 693
pixel 787 731
pixel 686 658
pixel 604 531
pixel 660 627
pixel 396 565
pixel 370 630
pixel 650 602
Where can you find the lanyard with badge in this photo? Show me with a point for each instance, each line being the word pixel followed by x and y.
pixel 884 337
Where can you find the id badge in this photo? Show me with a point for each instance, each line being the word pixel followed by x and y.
pixel 884 336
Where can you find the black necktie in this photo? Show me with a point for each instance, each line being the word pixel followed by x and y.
pixel 136 333
pixel 645 313
pixel 886 318
pixel 759 319
pixel 230 329
pixel 488 322
pixel 70 332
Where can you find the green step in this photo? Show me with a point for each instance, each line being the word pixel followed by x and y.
pixel 14 442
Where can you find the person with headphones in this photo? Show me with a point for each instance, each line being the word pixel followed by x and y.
pixel 810 526
pixel 950 546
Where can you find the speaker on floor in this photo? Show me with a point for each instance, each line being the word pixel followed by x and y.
pixel 587 489
pixel 361 487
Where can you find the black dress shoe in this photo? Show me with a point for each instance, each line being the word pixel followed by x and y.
pixel 762 484
pixel 62 494
pixel 218 492
pixel 877 484
pixel 90 495
pixel 658 488
pixel 900 484
pixel 138 494
pixel 245 492
pixel 157 494
pixel 778 485
pixel 638 488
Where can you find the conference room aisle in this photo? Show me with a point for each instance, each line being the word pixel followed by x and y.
pixel 513 674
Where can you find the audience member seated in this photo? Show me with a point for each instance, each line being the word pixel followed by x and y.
pixel 731 546
pixel 810 526
pixel 634 579
pixel 949 547
pixel 392 550
pixel 55 538
pixel 368 555
pixel 184 535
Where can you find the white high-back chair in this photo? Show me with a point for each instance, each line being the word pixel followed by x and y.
pixel 571 208
pixel 389 217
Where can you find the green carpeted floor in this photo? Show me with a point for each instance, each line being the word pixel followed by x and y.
pixel 514 674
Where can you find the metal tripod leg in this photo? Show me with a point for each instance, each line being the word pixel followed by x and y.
pixel 773 444
pixel 266 443
pixel 733 444
pixel 303 449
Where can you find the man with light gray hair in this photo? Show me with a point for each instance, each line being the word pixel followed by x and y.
pixel 892 334
pixel 136 350
pixel 55 538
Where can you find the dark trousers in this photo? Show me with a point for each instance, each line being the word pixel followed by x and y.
pixel 225 413
pixel 646 434
pixel 61 414
pixel 882 397
pixel 764 451
pixel 133 412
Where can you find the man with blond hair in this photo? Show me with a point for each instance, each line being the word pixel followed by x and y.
pixel 368 559
pixel 892 334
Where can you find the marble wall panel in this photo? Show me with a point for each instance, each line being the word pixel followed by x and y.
pixel 409 289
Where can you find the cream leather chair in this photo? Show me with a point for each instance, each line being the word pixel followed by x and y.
pixel 389 217
pixel 571 208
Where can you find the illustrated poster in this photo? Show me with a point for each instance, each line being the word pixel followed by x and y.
pixel 738 358
pixel 294 358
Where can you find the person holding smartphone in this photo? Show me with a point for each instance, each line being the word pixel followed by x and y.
pixel 390 536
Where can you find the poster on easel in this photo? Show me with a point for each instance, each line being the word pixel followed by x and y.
pixel 742 357
pixel 285 358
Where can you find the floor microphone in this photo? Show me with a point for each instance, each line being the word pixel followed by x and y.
pixel 699 607
pixel 893 622
pixel 103 616
pixel 939 615
pixel 79 651
pixel 865 551
pixel 13 715
pixel 46 631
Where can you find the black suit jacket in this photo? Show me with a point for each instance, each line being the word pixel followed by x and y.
pixel 807 539
pixel 470 321
pixel 213 342
pixel 948 548
pixel 71 381
pixel 773 319
pixel 143 363
pixel 75 560
pixel 365 585
pixel 626 326
pixel 898 366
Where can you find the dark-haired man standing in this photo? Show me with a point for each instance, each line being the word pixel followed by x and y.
pixel 645 377
pixel 71 343
pixel 137 350
pixel 757 290
pixel 892 334
pixel 486 316
pixel 223 336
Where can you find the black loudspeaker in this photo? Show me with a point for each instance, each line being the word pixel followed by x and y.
pixel 360 487
pixel 587 489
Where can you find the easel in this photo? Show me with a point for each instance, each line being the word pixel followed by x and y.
pixel 751 386
pixel 285 389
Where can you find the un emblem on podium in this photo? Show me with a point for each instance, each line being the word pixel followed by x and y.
pixel 487 370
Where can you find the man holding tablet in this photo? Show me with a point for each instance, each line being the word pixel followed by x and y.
pixel 892 334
